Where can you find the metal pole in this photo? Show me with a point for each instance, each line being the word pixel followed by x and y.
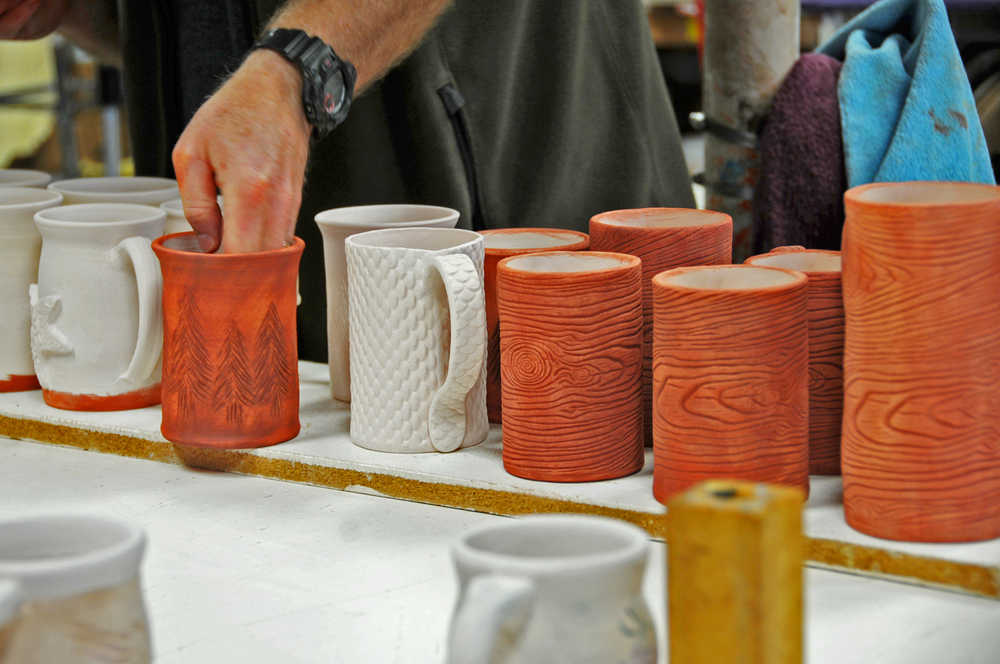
pixel 749 46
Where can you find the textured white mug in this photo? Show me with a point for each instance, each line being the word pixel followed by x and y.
pixel 78 577
pixel 336 225
pixel 117 189
pixel 96 312
pixel 20 245
pixel 418 339
pixel 551 589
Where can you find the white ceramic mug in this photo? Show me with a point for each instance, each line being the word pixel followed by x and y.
pixel 554 588
pixel 418 339
pixel 78 577
pixel 20 245
pixel 96 319
pixel 21 177
pixel 335 226
pixel 117 189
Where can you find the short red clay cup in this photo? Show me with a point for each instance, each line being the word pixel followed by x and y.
pixel 826 348
pixel 921 439
pixel 571 362
pixel 664 238
pixel 730 377
pixel 502 243
pixel 230 365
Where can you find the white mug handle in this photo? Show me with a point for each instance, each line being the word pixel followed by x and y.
pixel 491 615
pixel 149 283
pixel 448 418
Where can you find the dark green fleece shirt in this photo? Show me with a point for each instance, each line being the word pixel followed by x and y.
pixel 515 112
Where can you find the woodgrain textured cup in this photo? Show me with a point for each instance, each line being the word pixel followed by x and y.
pixel 826 348
pixel 730 377
pixel 503 243
pixel 920 455
pixel 664 238
pixel 230 364
pixel 571 364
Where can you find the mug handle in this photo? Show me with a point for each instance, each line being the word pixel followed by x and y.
pixel 448 418
pixel 149 283
pixel 491 615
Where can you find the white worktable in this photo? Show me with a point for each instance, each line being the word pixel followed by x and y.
pixel 250 570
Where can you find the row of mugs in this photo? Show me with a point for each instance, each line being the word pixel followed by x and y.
pixel 70 592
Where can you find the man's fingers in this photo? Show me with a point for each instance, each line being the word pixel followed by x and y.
pixel 260 214
pixel 13 20
pixel 197 184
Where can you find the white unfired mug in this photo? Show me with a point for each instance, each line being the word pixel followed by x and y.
pixel 552 589
pixel 78 577
pixel 20 245
pixel 117 189
pixel 97 319
pixel 336 225
pixel 418 339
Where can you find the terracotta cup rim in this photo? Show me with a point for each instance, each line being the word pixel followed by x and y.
pixel 659 218
pixel 25 198
pixel 780 279
pixel 160 247
pixel 923 194
pixel 389 214
pixel 800 260
pixel 612 262
pixel 24 177
pixel 59 555
pixel 108 214
pixel 574 240
pixel 618 543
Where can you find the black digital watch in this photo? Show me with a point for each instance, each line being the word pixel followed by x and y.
pixel 327 80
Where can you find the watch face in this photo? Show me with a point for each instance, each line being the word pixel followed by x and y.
pixel 334 94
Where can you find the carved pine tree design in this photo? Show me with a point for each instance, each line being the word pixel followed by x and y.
pixel 274 373
pixel 188 360
pixel 234 387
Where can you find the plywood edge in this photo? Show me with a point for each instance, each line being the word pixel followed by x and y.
pixel 824 553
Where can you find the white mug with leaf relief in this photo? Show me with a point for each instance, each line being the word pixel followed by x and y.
pixel 335 226
pixel 418 339
pixel 20 245
pixel 549 590
pixel 78 587
pixel 96 311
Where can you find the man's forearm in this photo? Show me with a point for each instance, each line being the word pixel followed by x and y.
pixel 372 34
pixel 93 26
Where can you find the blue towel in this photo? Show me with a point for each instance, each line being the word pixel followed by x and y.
pixel 906 107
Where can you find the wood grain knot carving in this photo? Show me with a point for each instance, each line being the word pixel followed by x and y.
pixel 921 458
pixel 570 358
pixel 730 377
pixel 664 238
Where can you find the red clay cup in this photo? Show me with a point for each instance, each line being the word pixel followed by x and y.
pixel 571 362
pixel 730 377
pixel 921 433
pixel 230 365
pixel 664 238
pixel 826 348
pixel 502 243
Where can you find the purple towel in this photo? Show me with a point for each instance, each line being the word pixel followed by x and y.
pixel 799 198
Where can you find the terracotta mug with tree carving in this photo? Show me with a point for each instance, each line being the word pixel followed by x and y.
pixel 571 362
pixel 730 377
pixel 230 360
pixel 826 348
pixel 502 243
pixel 664 238
pixel 920 450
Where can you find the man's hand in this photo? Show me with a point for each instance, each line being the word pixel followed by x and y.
pixel 31 19
pixel 251 140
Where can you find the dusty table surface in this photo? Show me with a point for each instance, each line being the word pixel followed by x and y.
pixel 248 569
